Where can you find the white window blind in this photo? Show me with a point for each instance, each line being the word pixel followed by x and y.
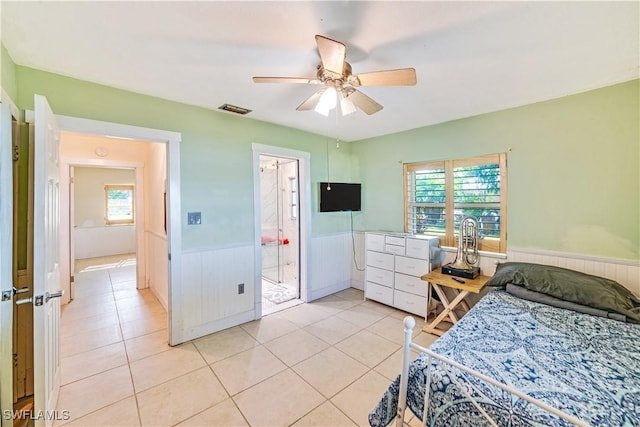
pixel 426 197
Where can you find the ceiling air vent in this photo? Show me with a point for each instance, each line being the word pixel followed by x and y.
pixel 234 109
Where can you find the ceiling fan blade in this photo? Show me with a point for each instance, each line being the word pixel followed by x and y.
pixel 400 77
pixel 285 80
pixel 332 53
pixel 365 103
pixel 311 102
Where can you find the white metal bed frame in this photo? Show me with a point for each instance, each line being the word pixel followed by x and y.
pixel 409 324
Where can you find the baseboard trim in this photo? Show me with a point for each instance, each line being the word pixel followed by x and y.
pixel 315 294
pixel 217 325
pixel 357 284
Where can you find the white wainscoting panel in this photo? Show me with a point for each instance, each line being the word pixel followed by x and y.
pixel 358 264
pixel 157 266
pixel 210 281
pixel 91 242
pixel 330 265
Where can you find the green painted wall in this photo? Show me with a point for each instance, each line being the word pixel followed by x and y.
pixel 573 170
pixel 216 156
pixel 8 73
pixel 574 180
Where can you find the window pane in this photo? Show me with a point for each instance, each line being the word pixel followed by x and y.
pixel 429 220
pixel 488 219
pixel 119 205
pixel 429 186
pixel 477 193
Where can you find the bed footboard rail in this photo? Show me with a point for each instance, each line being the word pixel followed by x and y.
pixel 409 324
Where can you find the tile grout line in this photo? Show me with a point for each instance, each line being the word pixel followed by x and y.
pixel 133 384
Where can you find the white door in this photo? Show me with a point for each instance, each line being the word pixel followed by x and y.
pixel 46 271
pixel 6 264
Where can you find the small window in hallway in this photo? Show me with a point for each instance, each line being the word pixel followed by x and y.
pixel 119 204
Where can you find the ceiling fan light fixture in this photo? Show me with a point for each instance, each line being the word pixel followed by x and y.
pixel 346 105
pixel 327 101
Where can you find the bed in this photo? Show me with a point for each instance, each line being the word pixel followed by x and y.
pixel 565 367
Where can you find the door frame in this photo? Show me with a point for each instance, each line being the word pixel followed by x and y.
pixel 174 222
pixel 8 110
pixel 304 211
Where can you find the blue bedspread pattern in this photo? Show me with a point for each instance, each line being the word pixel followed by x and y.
pixel 584 365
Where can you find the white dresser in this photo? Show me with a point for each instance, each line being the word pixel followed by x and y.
pixel 394 264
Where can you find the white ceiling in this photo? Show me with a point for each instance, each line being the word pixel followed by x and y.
pixel 470 57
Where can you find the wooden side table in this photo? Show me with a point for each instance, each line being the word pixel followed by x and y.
pixel 437 280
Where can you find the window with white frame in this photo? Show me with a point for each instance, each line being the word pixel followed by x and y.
pixel 119 204
pixel 438 194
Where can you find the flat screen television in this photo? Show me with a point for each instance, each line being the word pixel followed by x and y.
pixel 339 197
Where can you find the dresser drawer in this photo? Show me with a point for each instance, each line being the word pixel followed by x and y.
pixel 379 276
pixel 418 248
pixel 394 249
pixel 394 240
pixel 374 242
pixel 412 266
pixel 379 293
pixel 410 302
pixel 411 284
pixel 380 260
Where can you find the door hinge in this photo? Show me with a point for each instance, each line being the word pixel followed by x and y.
pixel 15 360
pixel 16 153
pixel 169 256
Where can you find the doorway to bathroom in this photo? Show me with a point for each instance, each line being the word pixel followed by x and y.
pixel 280 232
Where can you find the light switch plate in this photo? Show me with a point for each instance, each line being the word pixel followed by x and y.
pixel 194 218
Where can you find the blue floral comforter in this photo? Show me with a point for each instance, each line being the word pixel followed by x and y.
pixel 584 365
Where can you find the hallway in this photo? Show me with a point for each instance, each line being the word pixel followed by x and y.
pixel 109 324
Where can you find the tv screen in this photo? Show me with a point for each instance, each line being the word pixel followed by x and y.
pixel 337 197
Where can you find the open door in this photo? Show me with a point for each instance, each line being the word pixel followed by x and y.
pixel 46 271
pixel 6 263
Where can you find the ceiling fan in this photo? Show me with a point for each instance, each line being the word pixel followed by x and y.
pixel 334 72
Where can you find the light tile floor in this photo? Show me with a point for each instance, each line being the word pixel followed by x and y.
pixel 324 363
